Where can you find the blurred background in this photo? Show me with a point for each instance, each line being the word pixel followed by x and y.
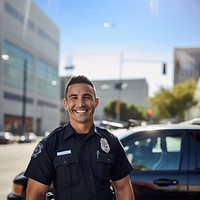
pixel 143 56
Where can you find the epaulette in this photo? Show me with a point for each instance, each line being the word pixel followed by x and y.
pixel 102 129
pixel 58 129
pixel 106 132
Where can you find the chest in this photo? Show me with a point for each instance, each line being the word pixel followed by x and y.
pixel 77 160
pixel 81 151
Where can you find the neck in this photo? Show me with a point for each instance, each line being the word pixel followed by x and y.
pixel 82 128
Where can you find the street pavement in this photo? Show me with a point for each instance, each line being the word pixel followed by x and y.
pixel 13 160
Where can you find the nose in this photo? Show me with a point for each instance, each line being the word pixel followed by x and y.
pixel 80 102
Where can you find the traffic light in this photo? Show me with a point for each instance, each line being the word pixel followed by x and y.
pixel 149 112
pixel 118 86
pixel 164 68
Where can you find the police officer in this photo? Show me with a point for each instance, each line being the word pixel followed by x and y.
pixel 81 160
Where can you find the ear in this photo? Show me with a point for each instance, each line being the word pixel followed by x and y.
pixel 65 104
pixel 96 102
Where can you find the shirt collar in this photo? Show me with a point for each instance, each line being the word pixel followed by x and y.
pixel 69 131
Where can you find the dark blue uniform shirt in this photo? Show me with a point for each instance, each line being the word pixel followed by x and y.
pixel 81 167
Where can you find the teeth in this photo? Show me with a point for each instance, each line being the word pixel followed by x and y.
pixel 81 111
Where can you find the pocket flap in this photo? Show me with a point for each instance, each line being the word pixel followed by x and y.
pixel 65 160
pixel 106 158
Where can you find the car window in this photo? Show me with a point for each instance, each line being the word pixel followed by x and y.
pixel 154 152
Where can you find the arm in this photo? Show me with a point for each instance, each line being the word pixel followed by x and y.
pixel 35 190
pixel 123 189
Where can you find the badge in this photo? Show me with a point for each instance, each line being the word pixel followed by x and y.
pixel 104 145
pixel 38 150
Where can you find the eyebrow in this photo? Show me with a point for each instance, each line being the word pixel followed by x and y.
pixel 86 94
pixel 72 95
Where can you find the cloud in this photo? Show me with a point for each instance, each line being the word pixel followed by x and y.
pixel 153 6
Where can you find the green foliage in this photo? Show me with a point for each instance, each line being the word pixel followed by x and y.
pixel 174 104
pixel 110 109
pixel 126 111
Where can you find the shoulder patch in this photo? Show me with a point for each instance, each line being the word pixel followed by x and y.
pixel 38 149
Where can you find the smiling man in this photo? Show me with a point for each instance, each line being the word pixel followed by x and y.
pixel 81 160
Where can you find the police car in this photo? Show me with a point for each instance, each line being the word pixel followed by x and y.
pixel 166 162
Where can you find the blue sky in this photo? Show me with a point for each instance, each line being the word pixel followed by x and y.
pixel 94 33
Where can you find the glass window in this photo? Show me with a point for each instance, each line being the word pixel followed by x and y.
pixel 154 152
pixel 13 12
pixel 47 37
pixel 15 66
pixel 47 80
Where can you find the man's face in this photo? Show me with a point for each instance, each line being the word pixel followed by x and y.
pixel 80 103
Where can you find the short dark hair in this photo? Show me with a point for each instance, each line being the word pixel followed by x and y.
pixel 79 79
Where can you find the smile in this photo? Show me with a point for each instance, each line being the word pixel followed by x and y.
pixel 80 111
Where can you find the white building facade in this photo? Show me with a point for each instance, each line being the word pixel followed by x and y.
pixel 29 82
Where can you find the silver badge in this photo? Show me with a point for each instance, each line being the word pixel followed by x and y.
pixel 104 145
pixel 38 150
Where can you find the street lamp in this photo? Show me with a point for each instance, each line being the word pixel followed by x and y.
pixel 5 57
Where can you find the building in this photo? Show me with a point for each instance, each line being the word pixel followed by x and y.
pixel 133 91
pixel 186 64
pixel 194 112
pixel 29 82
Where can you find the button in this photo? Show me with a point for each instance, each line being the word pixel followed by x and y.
pixel 89 177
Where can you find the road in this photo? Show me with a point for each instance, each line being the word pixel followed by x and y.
pixel 13 160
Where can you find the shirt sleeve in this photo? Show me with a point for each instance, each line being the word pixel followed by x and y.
pixel 122 166
pixel 40 167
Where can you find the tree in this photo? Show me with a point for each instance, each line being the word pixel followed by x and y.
pixel 127 111
pixel 174 104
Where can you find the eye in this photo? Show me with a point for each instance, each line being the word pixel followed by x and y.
pixel 87 97
pixel 73 98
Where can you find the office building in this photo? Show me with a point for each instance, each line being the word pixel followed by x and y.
pixel 186 64
pixel 132 91
pixel 29 82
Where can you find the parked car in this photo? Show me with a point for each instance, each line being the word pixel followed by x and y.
pixel 194 121
pixel 6 138
pixel 166 159
pixel 166 162
pixel 27 137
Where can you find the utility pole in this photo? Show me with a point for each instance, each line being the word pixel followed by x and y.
pixel 118 86
pixel 24 96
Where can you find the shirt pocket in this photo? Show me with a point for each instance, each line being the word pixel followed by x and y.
pixel 65 167
pixel 104 165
